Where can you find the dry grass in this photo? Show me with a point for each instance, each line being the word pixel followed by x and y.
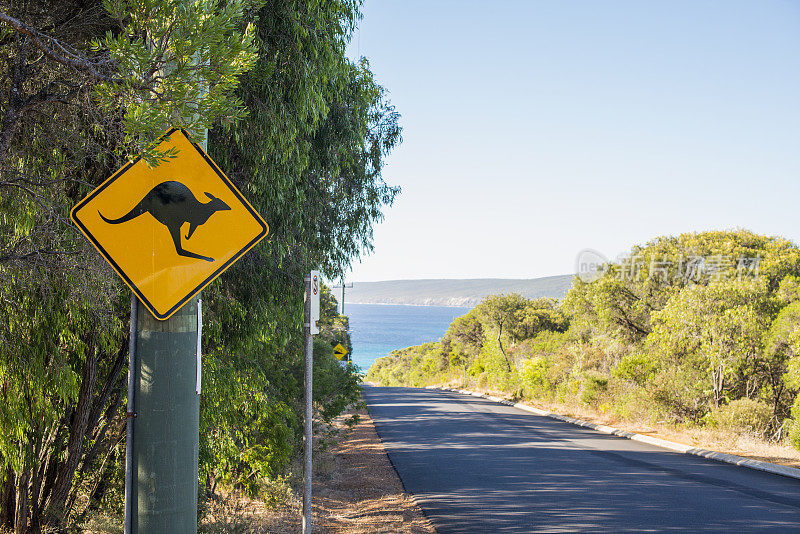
pixel 236 514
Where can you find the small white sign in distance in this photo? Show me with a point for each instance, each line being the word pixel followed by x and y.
pixel 315 289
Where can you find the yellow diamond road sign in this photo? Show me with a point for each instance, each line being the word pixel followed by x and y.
pixel 169 231
pixel 339 351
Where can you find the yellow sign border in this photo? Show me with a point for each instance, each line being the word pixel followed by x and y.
pixel 215 274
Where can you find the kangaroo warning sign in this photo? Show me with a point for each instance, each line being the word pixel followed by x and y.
pixel 339 351
pixel 169 231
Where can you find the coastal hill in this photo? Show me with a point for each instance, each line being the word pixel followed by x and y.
pixel 448 292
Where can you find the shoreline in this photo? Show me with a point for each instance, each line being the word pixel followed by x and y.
pixel 415 305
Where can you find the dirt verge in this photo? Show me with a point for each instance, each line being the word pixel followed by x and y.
pixel 357 491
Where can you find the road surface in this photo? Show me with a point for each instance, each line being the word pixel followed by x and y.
pixel 476 466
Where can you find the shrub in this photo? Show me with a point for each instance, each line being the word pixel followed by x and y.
pixel 483 380
pixel 680 393
pixel 546 342
pixel 568 390
pixel 476 369
pixel 277 492
pixel 534 373
pixel 594 385
pixel 636 367
pixel 744 416
pixel 794 424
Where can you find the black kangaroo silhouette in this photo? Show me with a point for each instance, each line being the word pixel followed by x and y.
pixel 173 204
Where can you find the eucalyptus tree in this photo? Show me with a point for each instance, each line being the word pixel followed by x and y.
pixel 84 86
pixel 779 383
pixel 717 329
pixel 310 158
pixel 503 314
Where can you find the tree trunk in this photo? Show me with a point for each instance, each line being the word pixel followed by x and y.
pixel 502 350
pixel 21 512
pixel 7 500
pixel 717 381
pixel 77 432
pixel 104 478
pixel 106 405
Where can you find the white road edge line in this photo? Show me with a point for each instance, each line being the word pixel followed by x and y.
pixel 758 465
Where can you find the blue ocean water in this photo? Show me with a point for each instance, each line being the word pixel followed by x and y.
pixel 378 329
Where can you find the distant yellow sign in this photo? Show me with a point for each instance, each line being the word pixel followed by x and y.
pixel 339 351
pixel 169 231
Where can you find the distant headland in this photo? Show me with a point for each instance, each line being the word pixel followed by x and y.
pixel 454 292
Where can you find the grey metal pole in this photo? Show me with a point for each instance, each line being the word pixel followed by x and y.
pixel 130 413
pixel 342 312
pixel 307 434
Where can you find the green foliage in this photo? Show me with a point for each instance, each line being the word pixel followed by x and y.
pixel 253 443
pixel 479 344
pixel 309 158
pixel 179 63
pixel 638 367
pixel 336 386
pixel 477 368
pixel 789 289
pixel 467 331
pixel 534 373
pixel 594 385
pixel 503 313
pixel 334 328
pixel 547 342
pixel 794 424
pixel 680 394
pixel 718 328
pixel 623 300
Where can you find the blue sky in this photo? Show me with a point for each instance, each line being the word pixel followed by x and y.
pixel 535 129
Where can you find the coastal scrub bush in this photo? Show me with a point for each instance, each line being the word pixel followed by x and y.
pixel 681 393
pixel 594 385
pixel 569 389
pixel 793 425
pixel 666 343
pixel 335 386
pixel 476 369
pixel 743 416
pixel 637 367
pixel 545 343
pixel 535 372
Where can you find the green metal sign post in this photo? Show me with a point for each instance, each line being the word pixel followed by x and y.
pixel 166 428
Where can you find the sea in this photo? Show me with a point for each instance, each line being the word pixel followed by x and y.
pixel 378 329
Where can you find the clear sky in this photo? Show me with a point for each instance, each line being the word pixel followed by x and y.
pixel 535 129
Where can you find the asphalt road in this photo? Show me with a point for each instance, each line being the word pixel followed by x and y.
pixel 476 466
